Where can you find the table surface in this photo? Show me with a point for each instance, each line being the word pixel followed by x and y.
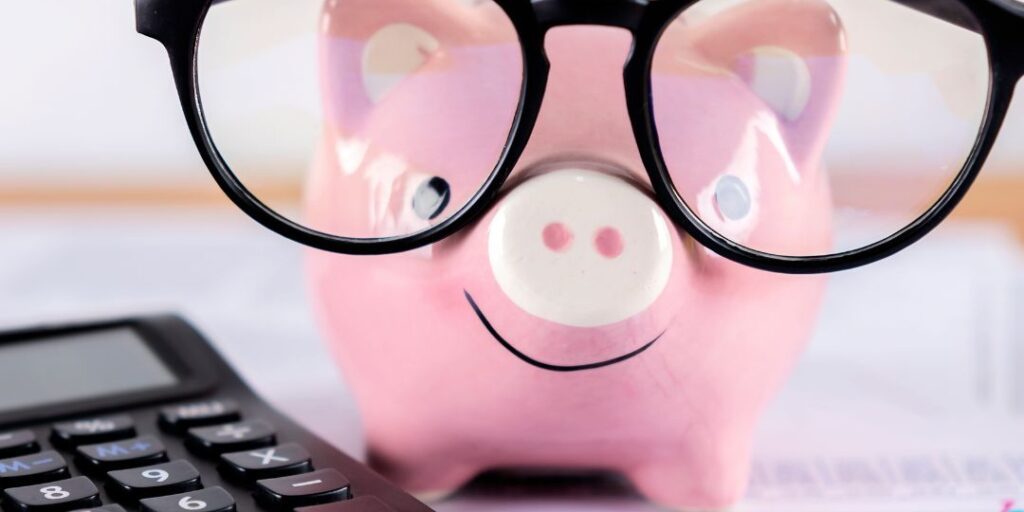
pixel 244 288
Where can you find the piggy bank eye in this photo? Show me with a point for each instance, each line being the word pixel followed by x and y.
pixel 729 203
pixel 732 198
pixel 431 198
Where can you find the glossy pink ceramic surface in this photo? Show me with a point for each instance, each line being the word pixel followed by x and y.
pixel 574 326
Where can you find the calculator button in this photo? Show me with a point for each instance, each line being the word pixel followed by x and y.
pixel 104 508
pixel 214 499
pixel 18 442
pixel 32 469
pixel 323 486
pixel 360 504
pixel 72 494
pixel 70 434
pixel 179 418
pixel 159 480
pixel 269 462
pixel 121 454
pixel 230 437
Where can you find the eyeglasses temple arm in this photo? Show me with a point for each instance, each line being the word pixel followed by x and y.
pixel 945 10
pixel 950 12
pixel 942 9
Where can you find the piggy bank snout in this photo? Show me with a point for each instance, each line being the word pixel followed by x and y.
pixel 580 247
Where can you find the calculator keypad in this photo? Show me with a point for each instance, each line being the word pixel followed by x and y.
pixel 270 462
pixel 129 453
pixel 230 437
pixel 133 464
pixel 18 442
pixel 32 469
pixel 160 480
pixel 71 494
pixel 70 434
pixel 214 499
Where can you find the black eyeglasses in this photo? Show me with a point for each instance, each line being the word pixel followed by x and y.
pixel 796 136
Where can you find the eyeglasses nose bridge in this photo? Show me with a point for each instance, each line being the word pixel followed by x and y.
pixel 625 14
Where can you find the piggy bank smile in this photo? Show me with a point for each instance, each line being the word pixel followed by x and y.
pixel 548 366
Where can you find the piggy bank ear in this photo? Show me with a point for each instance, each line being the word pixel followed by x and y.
pixel 369 47
pixel 792 55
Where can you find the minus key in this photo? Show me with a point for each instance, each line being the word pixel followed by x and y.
pixel 315 488
pixel 31 469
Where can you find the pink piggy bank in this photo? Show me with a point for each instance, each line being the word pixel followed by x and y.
pixel 572 326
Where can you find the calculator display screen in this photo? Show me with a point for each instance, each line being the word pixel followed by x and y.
pixel 78 367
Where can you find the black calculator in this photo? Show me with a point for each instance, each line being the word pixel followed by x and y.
pixel 143 414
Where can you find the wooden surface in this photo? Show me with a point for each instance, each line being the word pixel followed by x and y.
pixel 204 194
pixel 998 198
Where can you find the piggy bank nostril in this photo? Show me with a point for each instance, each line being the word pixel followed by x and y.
pixel 608 242
pixel 557 236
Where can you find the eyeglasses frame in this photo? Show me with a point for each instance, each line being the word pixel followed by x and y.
pixel 177 24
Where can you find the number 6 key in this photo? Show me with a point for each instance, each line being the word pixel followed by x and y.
pixel 214 499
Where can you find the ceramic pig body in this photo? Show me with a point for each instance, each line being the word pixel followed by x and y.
pixel 574 326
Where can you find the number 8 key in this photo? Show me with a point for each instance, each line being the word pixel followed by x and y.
pixel 70 494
